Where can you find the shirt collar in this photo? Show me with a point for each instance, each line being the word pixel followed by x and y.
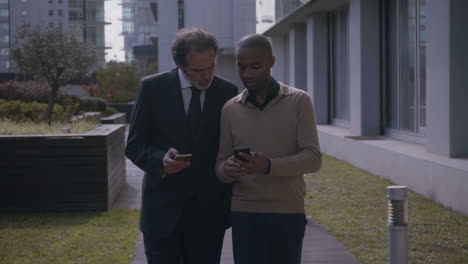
pixel 283 90
pixel 184 83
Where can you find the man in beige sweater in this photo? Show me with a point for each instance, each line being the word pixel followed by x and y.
pixel 277 123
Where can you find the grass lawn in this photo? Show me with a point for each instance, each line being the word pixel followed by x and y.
pixel 81 238
pixel 351 203
pixel 9 127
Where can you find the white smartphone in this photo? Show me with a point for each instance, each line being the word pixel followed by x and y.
pixel 183 157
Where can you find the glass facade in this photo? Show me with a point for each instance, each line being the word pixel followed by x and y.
pixel 405 87
pixel 339 61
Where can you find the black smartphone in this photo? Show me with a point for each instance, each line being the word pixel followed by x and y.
pixel 236 152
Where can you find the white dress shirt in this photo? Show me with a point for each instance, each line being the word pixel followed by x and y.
pixel 187 93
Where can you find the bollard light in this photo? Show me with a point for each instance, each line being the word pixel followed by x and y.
pixel 397 224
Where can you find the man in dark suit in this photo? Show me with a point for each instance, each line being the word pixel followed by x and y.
pixel 185 208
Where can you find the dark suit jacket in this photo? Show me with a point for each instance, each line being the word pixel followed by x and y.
pixel 158 123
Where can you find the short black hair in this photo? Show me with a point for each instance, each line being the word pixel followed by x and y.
pixel 191 39
pixel 255 40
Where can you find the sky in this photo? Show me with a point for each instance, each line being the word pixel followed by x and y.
pixel 114 39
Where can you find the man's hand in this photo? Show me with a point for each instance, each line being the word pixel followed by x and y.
pixel 171 166
pixel 232 168
pixel 256 162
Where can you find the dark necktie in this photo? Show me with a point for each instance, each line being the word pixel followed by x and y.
pixel 194 113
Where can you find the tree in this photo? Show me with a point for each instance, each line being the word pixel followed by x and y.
pixel 52 55
pixel 118 82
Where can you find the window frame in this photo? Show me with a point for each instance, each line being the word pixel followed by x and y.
pixel 417 134
pixel 338 79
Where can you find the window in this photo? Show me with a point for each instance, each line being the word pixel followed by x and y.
pixel 5 51
pixel 128 27
pixel 75 15
pixel 4 26
pixel 51 12
pixel 3 13
pixel 51 24
pixel 3 1
pixel 60 1
pixel 24 1
pixel 405 66
pixel 60 12
pixel 51 1
pixel 180 7
pixel 339 71
pixel 4 39
pixel 75 3
pixel 5 64
pixel 127 12
pixel 24 13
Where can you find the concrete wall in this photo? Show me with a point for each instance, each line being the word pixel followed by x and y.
pixel 232 20
pixel 226 68
pixel 439 178
pixel 168 26
pixel 364 70
pixel 447 81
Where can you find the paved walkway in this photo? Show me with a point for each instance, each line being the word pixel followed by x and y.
pixel 319 247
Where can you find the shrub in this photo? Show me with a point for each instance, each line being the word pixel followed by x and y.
pixel 26 91
pixel 24 111
pixel 92 104
pixel 109 111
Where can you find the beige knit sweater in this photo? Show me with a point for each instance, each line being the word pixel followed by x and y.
pixel 285 131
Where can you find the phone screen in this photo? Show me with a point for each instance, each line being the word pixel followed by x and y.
pixel 239 150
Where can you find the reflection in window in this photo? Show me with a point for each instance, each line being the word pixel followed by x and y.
pixel 127 12
pixel 405 65
pixel 339 81
pixel 128 27
pixel 4 39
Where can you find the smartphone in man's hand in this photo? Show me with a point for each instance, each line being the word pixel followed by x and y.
pixel 183 157
pixel 245 150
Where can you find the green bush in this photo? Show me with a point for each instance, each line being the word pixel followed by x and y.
pixel 92 104
pixel 39 92
pixel 109 111
pixel 24 111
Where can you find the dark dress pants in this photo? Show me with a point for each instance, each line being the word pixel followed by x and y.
pixel 196 239
pixel 267 238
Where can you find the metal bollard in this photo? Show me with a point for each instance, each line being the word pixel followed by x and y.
pixel 397 224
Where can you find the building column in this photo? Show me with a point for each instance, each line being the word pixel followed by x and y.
pixel 167 16
pixel 317 65
pixel 297 57
pixel 364 67
pixel 278 71
pixel 447 79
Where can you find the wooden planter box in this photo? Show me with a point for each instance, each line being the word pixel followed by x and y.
pixel 126 108
pixel 118 118
pixel 70 172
